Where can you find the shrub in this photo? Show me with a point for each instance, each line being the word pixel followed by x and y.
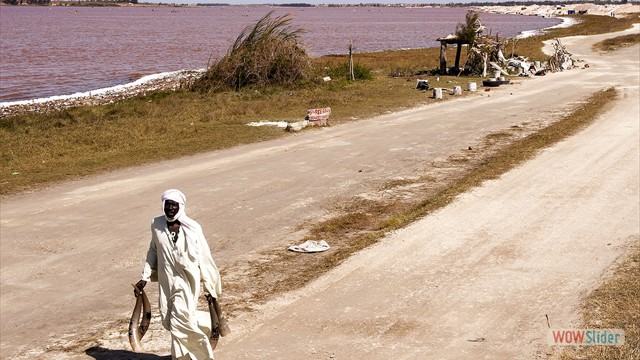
pixel 267 54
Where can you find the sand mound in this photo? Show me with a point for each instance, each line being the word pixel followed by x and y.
pixel 617 10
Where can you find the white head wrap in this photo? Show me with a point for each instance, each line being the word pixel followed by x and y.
pixel 177 196
pixel 192 230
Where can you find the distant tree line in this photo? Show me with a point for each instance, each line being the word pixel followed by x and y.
pixel 492 3
pixel 27 2
pixel 295 5
pixel 69 2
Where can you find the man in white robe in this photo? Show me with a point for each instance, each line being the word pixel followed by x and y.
pixel 180 257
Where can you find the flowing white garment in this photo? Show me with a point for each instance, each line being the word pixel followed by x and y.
pixel 180 266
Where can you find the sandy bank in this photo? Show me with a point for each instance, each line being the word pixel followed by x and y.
pixel 617 10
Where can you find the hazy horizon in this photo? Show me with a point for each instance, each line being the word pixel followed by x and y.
pixel 314 2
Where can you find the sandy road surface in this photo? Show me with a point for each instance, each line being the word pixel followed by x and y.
pixel 68 253
pixel 476 279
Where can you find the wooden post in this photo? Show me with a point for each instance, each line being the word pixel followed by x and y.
pixel 484 64
pixel 443 57
pixel 351 74
pixel 458 51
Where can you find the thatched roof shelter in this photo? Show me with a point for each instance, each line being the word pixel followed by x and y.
pixel 450 39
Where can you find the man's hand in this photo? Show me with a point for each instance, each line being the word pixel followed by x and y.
pixel 138 287
pixel 209 298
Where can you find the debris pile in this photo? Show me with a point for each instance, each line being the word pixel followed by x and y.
pixel 561 59
pixel 485 56
pixel 486 51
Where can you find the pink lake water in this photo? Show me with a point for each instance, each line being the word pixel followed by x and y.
pixel 49 51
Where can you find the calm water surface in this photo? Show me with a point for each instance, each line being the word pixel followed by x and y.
pixel 48 51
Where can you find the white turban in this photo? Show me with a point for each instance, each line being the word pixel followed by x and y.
pixel 192 230
pixel 177 196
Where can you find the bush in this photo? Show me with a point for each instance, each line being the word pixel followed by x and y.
pixel 267 54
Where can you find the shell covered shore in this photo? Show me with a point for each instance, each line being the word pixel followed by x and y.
pixel 160 82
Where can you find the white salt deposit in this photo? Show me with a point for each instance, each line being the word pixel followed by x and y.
pixel 110 91
pixel 281 124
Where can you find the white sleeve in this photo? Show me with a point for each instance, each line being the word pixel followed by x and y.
pixel 151 263
pixel 209 270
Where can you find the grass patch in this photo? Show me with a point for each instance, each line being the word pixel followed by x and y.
pixel 617 43
pixel 363 222
pixel 614 305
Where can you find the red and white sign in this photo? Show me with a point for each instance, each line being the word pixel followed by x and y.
pixel 318 116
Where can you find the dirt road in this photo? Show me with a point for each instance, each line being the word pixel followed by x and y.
pixel 473 280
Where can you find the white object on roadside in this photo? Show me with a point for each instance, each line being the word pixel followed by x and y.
pixel 311 246
pixel 281 124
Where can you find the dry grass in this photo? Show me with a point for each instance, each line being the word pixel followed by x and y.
pixel 614 305
pixel 617 43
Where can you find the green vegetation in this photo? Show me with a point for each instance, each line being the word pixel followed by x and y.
pixel 468 31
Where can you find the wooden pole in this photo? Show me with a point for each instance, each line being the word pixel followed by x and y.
pixel 458 51
pixel 351 73
pixel 443 57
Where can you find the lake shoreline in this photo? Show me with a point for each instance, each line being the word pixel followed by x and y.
pixel 168 81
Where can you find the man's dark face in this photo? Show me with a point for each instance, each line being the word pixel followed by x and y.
pixel 171 208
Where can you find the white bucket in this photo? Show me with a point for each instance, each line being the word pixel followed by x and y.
pixel 457 90
pixel 437 93
pixel 472 86
pixel 496 73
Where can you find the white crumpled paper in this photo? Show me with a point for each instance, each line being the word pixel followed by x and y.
pixel 311 246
